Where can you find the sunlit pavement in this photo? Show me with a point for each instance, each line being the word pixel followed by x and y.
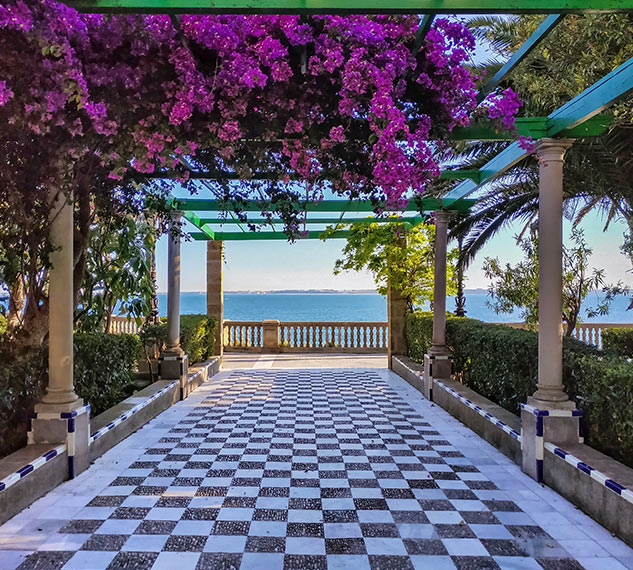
pixel 278 462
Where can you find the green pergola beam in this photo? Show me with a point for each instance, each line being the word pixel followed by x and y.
pixel 351 6
pixel 582 108
pixel 518 56
pixel 411 220
pixel 423 29
pixel 426 204
pixel 257 236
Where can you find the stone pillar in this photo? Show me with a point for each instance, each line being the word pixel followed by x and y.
pixel 396 316
pixel 271 336
pixel 438 362
pixel 61 416
pixel 215 290
pixel 549 415
pixel 550 392
pixel 173 362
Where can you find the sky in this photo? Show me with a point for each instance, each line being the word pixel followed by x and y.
pixel 308 264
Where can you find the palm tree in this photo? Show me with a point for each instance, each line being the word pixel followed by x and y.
pixel 598 171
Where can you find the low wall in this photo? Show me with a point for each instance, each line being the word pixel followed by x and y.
pixel 29 474
pixel 597 484
pixel 496 425
pixel 34 470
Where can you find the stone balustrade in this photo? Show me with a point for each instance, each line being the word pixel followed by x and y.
pixel 120 324
pixel 329 336
pixel 305 336
pixel 590 333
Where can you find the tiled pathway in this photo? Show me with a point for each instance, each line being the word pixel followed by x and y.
pixel 305 469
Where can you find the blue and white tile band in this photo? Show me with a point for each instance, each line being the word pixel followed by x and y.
pixel 624 492
pixel 540 415
pixel 32 466
pixel 132 411
pixel 505 427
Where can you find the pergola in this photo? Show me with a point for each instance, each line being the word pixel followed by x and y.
pixel 580 117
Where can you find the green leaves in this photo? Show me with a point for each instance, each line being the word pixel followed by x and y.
pixel 516 286
pixel 398 255
pixel 501 364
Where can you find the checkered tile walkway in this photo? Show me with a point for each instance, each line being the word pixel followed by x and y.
pixel 300 470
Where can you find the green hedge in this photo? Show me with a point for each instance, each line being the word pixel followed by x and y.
pixel 501 364
pixel 618 341
pixel 104 367
pixel 197 336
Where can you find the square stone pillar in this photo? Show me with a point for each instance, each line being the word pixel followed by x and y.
pixel 396 316
pixel 215 290
pixel 271 336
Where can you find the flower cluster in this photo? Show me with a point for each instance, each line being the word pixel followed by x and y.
pixel 333 100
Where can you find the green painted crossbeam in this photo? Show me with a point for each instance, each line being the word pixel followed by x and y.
pixel 518 56
pixel 572 115
pixel 351 6
pixel 257 236
pixel 314 221
pixel 427 205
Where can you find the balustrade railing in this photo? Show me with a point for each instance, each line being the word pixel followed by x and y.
pixel 122 325
pixel 590 333
pixel 243 335
pixel 305 336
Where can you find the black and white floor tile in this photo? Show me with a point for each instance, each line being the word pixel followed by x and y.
pixel 303 470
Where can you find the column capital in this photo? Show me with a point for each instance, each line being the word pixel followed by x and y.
pixel 549 149
pixel 442 215
pixel 175 215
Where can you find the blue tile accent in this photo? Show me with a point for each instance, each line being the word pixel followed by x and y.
pixel 506 428
pixel 624 492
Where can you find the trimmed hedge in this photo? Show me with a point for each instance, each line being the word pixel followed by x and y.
pixel 104 368
pixel 501 364
pixel 197 336
pixel 618 341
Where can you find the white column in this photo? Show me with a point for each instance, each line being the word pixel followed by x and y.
pixel 550 392
pixel 173 285
pixel 60 393
pixel 438 346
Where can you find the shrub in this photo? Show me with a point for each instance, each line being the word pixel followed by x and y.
pixel 501 364
pixel 603 388
pixel 197 336
pixel 104 368
pixel 618 341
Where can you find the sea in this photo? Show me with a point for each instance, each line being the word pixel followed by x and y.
pixel 353 307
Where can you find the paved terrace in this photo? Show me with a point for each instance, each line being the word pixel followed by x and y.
pixel 305 463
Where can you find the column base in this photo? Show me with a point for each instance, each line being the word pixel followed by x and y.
pixel 174 366
pixel 51 425
pixel 561 426
pixel 539 404
pixel 436 366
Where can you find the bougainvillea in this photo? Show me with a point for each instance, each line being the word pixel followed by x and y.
pixel 89 104
pixel 331 100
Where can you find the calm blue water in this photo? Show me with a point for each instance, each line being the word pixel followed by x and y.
pixel 347 307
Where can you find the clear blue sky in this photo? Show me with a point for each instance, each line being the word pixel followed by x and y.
pixel 270 265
